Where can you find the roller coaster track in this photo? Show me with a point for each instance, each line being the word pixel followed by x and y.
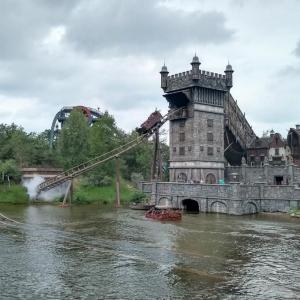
pixel 96 161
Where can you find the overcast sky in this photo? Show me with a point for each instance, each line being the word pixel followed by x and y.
pixel 108 54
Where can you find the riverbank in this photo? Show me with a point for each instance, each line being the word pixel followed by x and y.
pixel 14 194
pixel 295 213
pixel 105 194
pixel 83 194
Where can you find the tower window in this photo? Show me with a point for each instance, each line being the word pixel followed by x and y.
pixel 174 149
pixel 276 151
pixel 181 137
pixel 210 123
pixel 181 150
pixel 201 148
pixel 210 151
pixel 189 148
pixel 182 124
pixel 210 137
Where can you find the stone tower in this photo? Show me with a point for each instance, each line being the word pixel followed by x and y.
pixel 197 130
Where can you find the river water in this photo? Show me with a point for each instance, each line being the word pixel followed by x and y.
pixel 91 252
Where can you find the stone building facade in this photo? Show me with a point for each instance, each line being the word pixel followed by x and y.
pixel 272 148
pixel 208 114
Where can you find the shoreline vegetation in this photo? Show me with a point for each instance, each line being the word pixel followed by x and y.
pixel 75 143
pixel 295 213
pixel 83 194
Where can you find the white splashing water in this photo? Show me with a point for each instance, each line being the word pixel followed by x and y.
pixel 32 184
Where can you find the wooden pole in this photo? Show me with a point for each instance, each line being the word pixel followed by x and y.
pixel 71 191
pixel 154 171
pixel 117 169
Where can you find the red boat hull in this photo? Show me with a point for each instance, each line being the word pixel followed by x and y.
pixel 164 215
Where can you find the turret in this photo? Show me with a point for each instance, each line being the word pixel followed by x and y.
pixel 228 74
pixel 164 75
pixel 195 67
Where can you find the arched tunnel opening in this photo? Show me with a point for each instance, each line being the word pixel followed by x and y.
pixel 190 206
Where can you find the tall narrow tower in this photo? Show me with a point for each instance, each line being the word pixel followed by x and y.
pixel 197 132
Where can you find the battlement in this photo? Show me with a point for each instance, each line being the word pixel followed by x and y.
pixel 201 72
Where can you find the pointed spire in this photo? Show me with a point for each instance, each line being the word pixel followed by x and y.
pixel 228 67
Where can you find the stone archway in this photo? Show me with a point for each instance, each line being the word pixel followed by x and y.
pixel 210 179
pixel 190 205
pixel 250 208
pixel 218 207
pixel 165 202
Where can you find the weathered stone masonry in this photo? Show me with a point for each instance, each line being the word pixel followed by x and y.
pixel 209 125
pixel 209 132
pixel 234 199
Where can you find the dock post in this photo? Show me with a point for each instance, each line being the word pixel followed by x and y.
pixel 117 169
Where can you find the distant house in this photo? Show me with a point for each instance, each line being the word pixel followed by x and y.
pixel 293 140
pixel 272 148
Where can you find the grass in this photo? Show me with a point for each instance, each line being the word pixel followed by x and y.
pixel 294 212
pixel 15 194
pixel 104 195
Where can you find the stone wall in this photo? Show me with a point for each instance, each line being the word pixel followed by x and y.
pixel 251 175
pixel 235 199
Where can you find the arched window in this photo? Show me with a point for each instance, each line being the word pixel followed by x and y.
pixel 210 179
pixel 182 177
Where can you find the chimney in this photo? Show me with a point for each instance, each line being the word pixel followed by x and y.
pixel 298 126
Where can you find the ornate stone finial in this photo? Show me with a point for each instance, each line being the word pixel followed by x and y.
pixel 266 161
pixel 229 68
pixel 228 73
pixel 243 161
pixel 164 69
pixel 195 67
pixel 164 75
pixel 195 60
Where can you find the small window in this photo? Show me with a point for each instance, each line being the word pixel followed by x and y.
pixel 210 151
pixel 182 124
pixel 218 149
pixel 210 123
pixel 181 150
pixel 181 137
pixel 189 148
pixel 174 149
pixel 210 137
pixel 276 151
pixel 201 148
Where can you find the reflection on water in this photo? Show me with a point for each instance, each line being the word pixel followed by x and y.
pixel 90 252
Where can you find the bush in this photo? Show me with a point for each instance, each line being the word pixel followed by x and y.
pixel 81 198
pixel 106 181
pixel 139 197
pixel 16 194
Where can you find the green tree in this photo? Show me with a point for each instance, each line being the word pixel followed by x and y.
pixel 104 136
pixel 73 141
pixel 9 171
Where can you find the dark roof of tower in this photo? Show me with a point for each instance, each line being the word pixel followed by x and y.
pixel 164 69
pixel 195 60
pixel 228 67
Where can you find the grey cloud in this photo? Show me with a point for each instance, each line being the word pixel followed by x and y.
pixel 135 26
pixel 24 23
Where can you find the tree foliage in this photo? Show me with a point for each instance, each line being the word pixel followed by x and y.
pixel 73 142
pixel 76 143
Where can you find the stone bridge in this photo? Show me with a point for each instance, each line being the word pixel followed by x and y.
pixel 233 199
